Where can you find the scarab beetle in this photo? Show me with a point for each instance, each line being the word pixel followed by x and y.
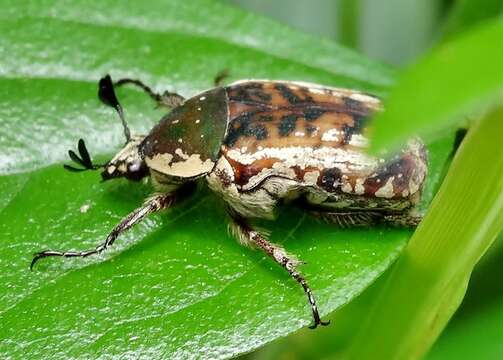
pixel 259 143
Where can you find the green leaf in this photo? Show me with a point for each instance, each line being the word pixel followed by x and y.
pixel 177 285
pixel 475 330
pixel 467 13
pixel 457 79
pixel 462 222
pixel 476 337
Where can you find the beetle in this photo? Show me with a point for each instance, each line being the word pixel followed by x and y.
pixel 258 144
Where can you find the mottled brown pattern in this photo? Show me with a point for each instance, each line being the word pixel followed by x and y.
pixel 281 114
pixel 243 173
pixel 275 115
pixel 401 169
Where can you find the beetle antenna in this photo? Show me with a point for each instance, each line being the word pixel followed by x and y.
pixel 107 96
pixel 84 159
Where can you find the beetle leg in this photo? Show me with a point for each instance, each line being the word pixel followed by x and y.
pixel 220 77
pixel 154 204
pixel 248 235
pixel 351 219
pixel 167 99
pixel 411 220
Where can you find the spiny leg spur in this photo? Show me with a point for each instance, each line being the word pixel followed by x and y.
pixel 278 254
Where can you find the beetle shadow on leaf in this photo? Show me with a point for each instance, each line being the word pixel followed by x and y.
pixel 125 192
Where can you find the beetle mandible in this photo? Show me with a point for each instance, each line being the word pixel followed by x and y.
pixel 259 143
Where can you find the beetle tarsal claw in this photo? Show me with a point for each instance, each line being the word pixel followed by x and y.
pixel 319 322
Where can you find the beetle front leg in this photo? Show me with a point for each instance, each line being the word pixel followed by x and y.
pixel 248 235
pixel 154 204
pixel 167 98
pixel 220 77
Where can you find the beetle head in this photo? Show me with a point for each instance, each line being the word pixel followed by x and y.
pixel 127 162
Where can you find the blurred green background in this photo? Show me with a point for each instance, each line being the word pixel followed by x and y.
pixel 396 32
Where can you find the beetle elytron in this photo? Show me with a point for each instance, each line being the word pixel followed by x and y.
pixel 259 143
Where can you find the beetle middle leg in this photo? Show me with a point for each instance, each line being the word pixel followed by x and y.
pixel 167 98
pixel 154 204
pixel 248 235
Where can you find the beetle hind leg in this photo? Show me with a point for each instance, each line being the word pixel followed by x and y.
pixel 368 218
pixel 248 235
pixel 154 204
pixel 167 98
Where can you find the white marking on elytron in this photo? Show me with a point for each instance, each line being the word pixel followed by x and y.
pixel 365 99
pixel 198 121
pixel 202 98
pixel 386 191
pixel 311 177
pixel 280 168
pixel 299 133
pixel 175 121
pixel 359 141
pixel 347 188
pixel 359 189
pixel 331 135
pixel 180 140
pixel 347 160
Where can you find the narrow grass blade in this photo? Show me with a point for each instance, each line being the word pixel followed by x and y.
pixel 429 279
